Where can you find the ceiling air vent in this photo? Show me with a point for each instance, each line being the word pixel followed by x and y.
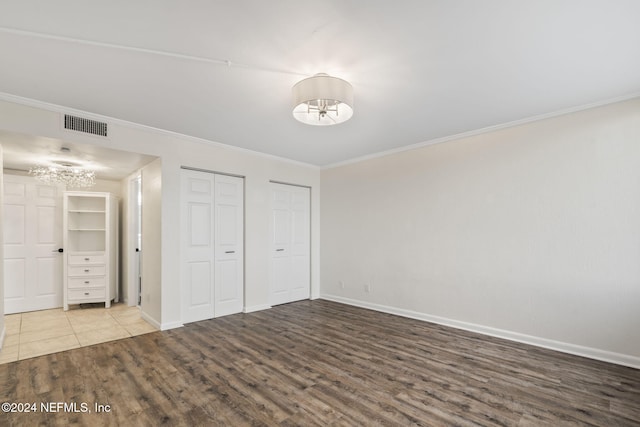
pixel 80 124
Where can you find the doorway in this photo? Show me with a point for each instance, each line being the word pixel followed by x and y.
pixel 290 230
pixel 114 169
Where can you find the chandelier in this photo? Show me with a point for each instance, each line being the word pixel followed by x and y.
pixel 68 174
pixel 322 100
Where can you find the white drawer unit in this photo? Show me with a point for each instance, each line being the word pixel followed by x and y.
pixel 86 279
pixel 90 248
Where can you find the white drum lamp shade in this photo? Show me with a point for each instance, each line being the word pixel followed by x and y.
pixel 322 100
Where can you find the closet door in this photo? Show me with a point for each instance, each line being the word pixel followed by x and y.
pixel 211 245
pixel 229 247
pixel 197 245
pixel 290 243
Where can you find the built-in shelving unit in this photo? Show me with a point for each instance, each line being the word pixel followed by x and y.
pixel 90 247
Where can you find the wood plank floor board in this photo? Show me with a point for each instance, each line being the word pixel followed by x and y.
pixel 326 364
pixel 626 409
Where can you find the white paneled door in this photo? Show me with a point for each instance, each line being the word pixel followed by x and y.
pixel 32 237
pixel 229 245
pixel 290 243
pixel 212 269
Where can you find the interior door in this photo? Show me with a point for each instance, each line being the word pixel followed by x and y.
pixel 197 245
pixel 134 242
pixel 212 266
pixel 229 243
pixel 280 244
pixel 290 244
pixel 300 275
pixel 32 237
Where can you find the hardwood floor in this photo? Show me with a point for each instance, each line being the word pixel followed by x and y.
pixel 321 363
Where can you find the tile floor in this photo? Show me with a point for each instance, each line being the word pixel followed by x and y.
pixel 49 331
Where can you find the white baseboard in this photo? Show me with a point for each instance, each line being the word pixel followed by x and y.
pixel 256 308
pixel 171 325
pixel 158 325
pixel 592 353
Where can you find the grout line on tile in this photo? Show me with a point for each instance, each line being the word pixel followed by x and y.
pixel 122 311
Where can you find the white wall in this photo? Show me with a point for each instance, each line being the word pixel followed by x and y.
pixel 124 247
pixel 176 151
pixel 2 326
pixel 530 233
pixel 151 271
pixel 103 186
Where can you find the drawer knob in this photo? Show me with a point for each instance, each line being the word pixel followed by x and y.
pixel 86 282
pixel 86 293
pixel 87 259
pixel 87 270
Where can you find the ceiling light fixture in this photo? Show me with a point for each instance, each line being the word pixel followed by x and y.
pixel 69 174
pixel 322 100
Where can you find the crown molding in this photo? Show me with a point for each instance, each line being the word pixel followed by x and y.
pixel 484 130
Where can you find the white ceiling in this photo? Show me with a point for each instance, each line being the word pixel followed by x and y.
pixel 222 70
pixel 21 152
